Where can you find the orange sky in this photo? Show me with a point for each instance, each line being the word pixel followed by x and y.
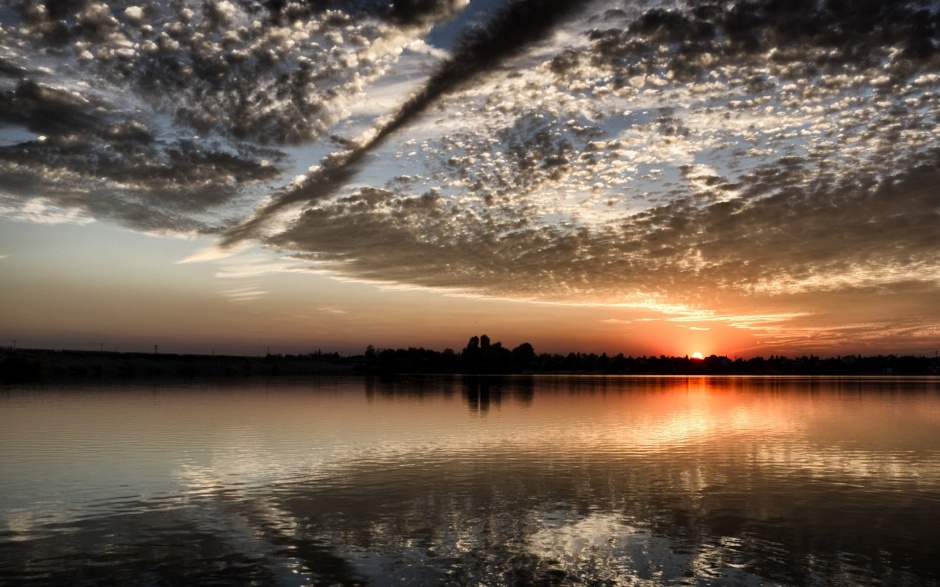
pixel 187 308
pixel 136 294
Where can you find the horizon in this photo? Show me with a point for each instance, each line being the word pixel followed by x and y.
pixel 660 178
pixel 343 354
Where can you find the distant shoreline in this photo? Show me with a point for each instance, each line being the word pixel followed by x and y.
pixel 24 365
pixel 67 365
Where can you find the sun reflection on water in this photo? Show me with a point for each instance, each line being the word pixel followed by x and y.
pixel 628 481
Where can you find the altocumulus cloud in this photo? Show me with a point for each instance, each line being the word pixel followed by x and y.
pixel 766 158
pixel 162 115
pixel 760 158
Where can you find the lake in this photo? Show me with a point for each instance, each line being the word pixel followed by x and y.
pixel 472 481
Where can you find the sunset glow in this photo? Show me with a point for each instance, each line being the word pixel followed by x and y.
pixel 590 176
pixel 697 355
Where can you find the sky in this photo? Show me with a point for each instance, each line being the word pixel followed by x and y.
pixel 646 177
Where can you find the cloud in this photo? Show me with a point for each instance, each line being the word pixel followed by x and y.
pixel 244 295
pixel 616 321
pixel 518 24
pixel 41 211
pixel 695 169
pixel 255 264
pixel 213 253
pixel 789 240
pixel 171 117
pixel 769 163
pixel 277 74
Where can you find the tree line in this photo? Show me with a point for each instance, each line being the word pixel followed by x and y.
pixel 482 356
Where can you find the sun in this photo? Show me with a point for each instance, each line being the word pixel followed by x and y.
pixel 697 355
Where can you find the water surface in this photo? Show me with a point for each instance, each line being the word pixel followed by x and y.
pixel 470 481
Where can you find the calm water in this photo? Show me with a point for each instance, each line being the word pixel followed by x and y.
pixel 450 481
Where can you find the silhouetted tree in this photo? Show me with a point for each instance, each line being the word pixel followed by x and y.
pixel 523 356
pixel 497 359
pixel 470 357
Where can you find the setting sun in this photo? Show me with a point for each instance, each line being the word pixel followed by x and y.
pixel 697 355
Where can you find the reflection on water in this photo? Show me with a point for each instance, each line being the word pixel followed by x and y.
pixel 469 481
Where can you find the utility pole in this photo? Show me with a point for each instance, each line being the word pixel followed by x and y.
pixel 155 349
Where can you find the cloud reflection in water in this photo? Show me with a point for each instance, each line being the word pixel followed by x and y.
pixel 560 480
